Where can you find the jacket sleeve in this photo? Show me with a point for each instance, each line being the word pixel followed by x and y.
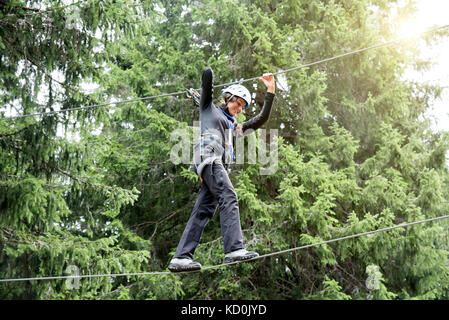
pixel 257 121
pixel 207 82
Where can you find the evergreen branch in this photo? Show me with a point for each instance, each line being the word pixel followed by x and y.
pixel 117 290
pixel 40 11
pixel 4 135
pixel 29 9
pixel 168 216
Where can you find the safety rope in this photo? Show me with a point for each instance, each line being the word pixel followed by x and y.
pixel 403 225
pixel 93 106
pixel 379 45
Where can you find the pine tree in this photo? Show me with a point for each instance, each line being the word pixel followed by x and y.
pixel 58 209
pixel 354 153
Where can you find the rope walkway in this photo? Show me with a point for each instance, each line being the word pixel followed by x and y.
pixel 379 45
pixel 403 225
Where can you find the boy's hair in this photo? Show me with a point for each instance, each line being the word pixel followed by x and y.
pixel 229 98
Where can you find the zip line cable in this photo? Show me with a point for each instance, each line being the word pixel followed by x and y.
pixel 403 225
pixel 379 45
pixel 92 106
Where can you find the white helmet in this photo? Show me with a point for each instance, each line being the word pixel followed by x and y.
pixel 239 91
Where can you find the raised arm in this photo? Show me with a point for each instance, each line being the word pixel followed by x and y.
pixel 256 122
pixel 207 82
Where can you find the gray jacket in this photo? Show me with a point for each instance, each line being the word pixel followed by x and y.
pixel 219 129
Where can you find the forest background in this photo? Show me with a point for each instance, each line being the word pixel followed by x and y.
pixel 93 190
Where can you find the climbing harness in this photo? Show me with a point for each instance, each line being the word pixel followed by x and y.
pixel 193 95
pixel 230 127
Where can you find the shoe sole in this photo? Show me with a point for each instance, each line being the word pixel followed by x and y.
pixel 242 258
pixel 183 269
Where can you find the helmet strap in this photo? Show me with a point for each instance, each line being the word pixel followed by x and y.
pixel 228 99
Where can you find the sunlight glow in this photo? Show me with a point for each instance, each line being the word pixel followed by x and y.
pixel 431 13
pixel 412 28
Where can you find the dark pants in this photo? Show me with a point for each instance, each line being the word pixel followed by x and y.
pixel 216 189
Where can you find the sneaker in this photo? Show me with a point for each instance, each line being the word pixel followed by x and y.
pixel 180 265
pixel 240 255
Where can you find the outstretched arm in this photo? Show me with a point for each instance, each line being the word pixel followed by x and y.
pixel 268 80
pixel 207 83
pixel 256 122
